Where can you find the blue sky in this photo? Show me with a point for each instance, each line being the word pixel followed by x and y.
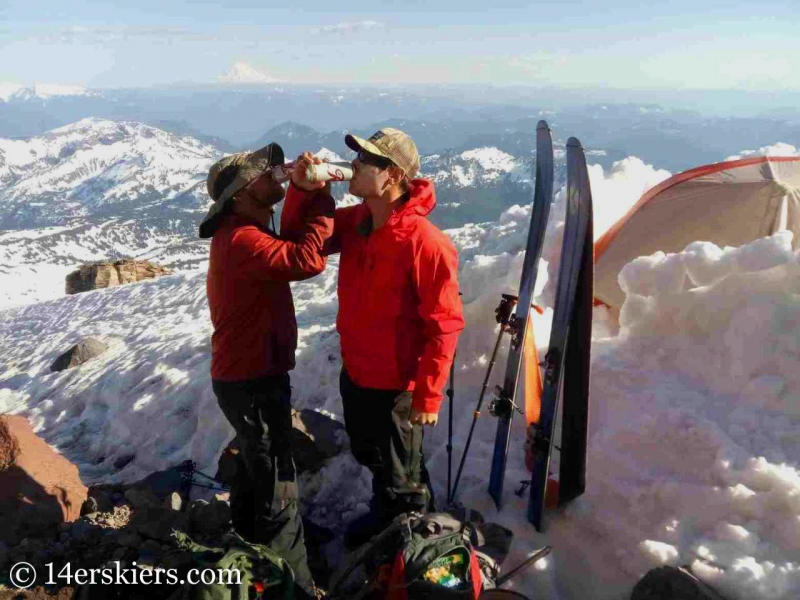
pixel 700 44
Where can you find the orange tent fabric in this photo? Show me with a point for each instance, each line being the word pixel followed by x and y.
pixel 729 203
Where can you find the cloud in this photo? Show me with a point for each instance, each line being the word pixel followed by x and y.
pixel 106 35
pixel 349 27
pixel 242 73
pixel 779 149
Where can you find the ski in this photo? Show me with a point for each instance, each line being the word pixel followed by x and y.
pixel 569 348
pixel 504 404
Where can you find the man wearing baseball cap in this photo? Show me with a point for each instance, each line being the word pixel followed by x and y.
pixel 255 337
pixel 399 320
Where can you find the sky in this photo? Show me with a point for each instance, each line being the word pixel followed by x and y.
pixel 627 44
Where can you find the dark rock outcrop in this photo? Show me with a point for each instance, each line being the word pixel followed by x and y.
pixel 79 354
pixel 315 439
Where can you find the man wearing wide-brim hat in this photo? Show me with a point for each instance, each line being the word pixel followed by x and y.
pixel 255 337
pixel 399 320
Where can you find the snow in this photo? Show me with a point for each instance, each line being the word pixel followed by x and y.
pixel 10 91
pixel 95 162
pixel 694 453
pixel 243 73
pixel 779 149
pixel 475 167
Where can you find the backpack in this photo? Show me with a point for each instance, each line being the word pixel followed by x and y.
pixel 423 556
pixel 262 573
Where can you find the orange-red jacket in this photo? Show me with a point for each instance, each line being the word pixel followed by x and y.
pixel 255 332
pixel 399 310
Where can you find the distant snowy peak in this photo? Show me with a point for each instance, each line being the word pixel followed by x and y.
pixel 242 73
pixel 491 159
pixel 476 167
pixel 20 92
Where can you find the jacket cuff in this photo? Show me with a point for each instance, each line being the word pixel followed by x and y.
pixel 426 405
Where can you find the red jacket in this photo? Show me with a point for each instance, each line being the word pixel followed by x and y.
pixel 255 332
pixel 399 310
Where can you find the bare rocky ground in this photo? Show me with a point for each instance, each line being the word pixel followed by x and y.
pixel 128 524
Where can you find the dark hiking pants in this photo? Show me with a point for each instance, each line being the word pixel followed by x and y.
pixel 383 440
pixel 264 503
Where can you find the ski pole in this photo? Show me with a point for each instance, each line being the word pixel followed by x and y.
pixel 503 313
pixel 532 559
pixel 450 394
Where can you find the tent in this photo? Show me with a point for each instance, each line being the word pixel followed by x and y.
pixel 729 203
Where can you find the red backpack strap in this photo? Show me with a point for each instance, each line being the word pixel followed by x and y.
pixel 398 586
pixel 475 574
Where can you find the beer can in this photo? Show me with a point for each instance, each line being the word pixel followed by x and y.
pixel 330 171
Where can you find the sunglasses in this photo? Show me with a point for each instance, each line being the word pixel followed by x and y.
pixel 380 162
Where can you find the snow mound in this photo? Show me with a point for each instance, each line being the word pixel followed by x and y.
pixel 694 444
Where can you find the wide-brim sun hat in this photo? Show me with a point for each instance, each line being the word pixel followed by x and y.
pixel 246 166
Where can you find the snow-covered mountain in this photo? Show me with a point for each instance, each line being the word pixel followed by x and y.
pixel 97 167
pixel 97 189
pixel 17 92
pixel 100 189
pixel 477 185
pixel 480 166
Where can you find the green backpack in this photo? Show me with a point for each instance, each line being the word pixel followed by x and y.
pixel 419 557
pixel 261 572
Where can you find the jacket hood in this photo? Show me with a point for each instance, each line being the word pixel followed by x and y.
pixel 422 198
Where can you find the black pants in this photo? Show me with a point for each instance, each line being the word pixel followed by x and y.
pixel 383 440
pixel 264 504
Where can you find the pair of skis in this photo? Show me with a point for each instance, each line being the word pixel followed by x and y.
pixel 570 339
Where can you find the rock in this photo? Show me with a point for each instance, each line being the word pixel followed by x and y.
pixel 4 551
pixel 672 583
pixel 109 274
pixel 101 500
pixel 209 518
pixel 89 506
pixel 80 353
pixel 81 529
pixel 120 553
pixel 157 523
pixel 326 433
pixel 315 439
pixel 40 490
pixel 141 498
pixel 174 501
pixel 123 461
pixel 150 553
pixel 176 559
pixel 164 483
pixel 129 539
pixel 9 446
